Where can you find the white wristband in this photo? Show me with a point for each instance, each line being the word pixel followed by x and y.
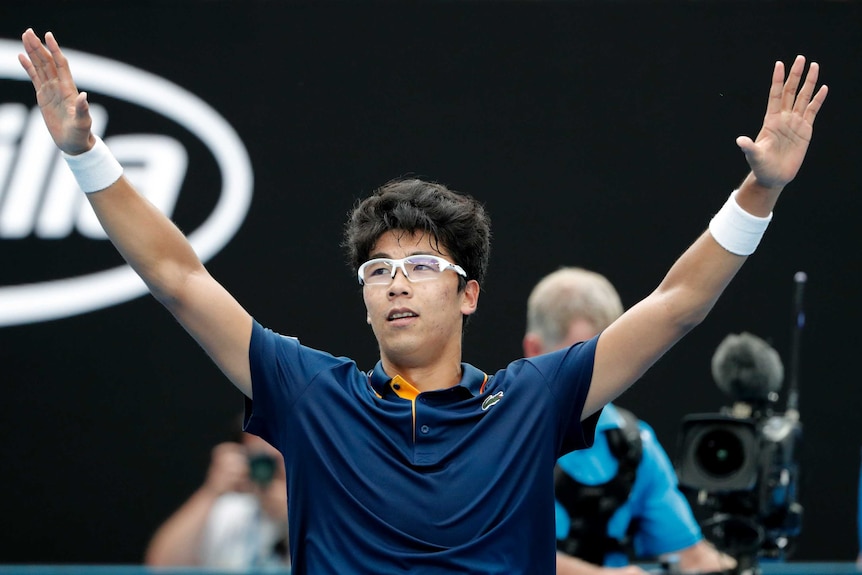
pixel 736 230
pixel 95 169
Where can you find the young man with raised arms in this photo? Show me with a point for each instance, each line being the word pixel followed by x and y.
pixel 424 463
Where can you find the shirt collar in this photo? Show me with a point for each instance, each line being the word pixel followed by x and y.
pixel 472 379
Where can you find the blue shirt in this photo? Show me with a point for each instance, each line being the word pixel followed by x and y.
pixel 665 520
pixel 383 479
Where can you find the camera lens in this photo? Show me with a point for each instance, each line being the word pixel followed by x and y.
pixel 720 453
pixel 261 468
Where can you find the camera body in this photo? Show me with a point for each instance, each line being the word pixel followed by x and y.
pixel 741 474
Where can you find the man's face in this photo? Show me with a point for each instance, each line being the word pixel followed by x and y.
pixel 417 323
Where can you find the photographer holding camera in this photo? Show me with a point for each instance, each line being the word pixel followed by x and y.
pixel 237 519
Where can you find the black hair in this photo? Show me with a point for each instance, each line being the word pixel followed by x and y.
pixel 456 221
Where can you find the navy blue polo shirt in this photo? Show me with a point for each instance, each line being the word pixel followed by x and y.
pixel 383 479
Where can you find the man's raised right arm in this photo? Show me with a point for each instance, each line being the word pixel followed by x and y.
pixel 151 244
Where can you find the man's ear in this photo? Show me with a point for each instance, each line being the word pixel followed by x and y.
pixel 470 298
pixel 533 345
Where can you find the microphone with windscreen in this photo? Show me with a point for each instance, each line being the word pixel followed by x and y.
pixel 748 369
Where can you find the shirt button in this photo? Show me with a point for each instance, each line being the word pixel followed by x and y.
pixel 424 429
pixel 396 386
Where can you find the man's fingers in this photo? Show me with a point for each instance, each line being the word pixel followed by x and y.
pixel 807 90
pixel 745 143
pixel 40 58
pixel 814 106
pixel 808 102
pixel 61 64
pixel 31 71
pixel 773 104
pixel 30 40
pixel 783 96
pixel 82 107
pixel 51 42
pixel 792 84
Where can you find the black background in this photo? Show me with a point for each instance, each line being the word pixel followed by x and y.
pixel 597 134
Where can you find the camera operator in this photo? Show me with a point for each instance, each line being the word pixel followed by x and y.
pixel 618 500
pixel 237 519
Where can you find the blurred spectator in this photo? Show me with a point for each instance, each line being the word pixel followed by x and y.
pixel 237 519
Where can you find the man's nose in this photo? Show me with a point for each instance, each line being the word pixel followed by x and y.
pixel 399 284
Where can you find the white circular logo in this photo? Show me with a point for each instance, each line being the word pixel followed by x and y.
pixel 54 207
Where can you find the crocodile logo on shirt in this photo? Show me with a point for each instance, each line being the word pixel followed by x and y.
pixel 492 400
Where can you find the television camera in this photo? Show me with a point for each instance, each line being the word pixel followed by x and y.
pixel 739 467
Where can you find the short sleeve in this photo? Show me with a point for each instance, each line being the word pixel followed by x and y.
pixel 666 521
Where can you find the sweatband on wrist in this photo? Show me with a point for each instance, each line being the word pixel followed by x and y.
pixel 95 169
pixel 736 230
